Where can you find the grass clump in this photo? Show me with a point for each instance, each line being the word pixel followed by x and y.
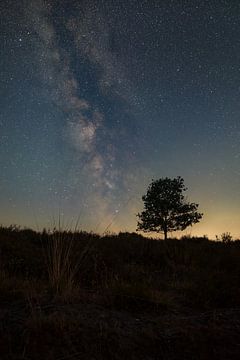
pixel 60 266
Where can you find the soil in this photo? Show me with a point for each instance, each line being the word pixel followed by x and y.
pixel 90 330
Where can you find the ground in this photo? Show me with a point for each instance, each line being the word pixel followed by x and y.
pixel 130 298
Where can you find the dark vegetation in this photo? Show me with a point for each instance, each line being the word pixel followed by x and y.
pixel 67 295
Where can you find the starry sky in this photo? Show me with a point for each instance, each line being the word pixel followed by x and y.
pixel 100 97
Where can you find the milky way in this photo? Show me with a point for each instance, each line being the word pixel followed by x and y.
pixel 100 97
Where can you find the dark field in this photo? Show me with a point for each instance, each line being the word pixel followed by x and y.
pixel 67 295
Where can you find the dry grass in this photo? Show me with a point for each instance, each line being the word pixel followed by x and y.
pixel 63 263
pixel 60 267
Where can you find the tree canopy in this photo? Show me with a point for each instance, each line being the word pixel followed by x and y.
pixel 166 208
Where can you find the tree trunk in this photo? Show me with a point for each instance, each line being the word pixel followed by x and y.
pixel 165 234
pixel 165 228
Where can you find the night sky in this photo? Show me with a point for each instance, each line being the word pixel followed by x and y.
pixel 100 97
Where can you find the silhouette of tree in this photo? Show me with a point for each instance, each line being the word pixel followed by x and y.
pixel 165 207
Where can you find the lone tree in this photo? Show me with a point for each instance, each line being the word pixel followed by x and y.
pixel 165 207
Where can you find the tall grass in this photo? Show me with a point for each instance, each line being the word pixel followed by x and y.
pixel 62 262
pixel 60 266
